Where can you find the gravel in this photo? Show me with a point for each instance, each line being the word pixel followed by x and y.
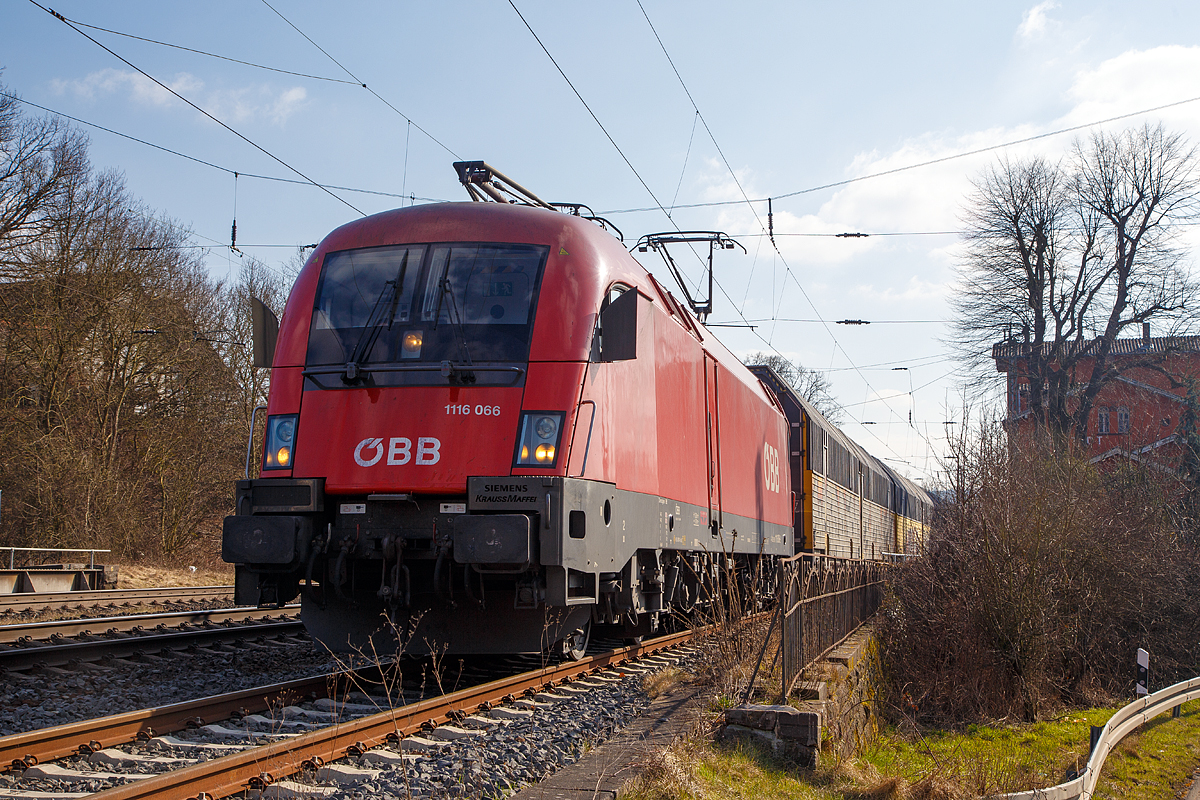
pixel 508 755
pixel 29 702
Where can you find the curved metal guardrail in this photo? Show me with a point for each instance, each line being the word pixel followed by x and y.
pixel 1122 723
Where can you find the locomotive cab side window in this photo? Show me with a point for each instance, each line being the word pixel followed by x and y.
pixel 618 324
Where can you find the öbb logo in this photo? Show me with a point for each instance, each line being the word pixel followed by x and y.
pixel 771 468
pixel 399 451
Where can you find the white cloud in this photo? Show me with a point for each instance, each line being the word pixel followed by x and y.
pixel 1135 80
pixel 138 86
pixel 251 103
pixel 1035 21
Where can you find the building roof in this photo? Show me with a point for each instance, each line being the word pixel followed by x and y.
pixel 1121 347
pixel 1139 455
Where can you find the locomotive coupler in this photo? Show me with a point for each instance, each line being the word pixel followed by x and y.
pixel 390 592
pixel 339 571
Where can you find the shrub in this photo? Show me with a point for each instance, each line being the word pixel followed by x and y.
pixel 1038 585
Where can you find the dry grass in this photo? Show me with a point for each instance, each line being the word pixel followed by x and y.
pixel 656 684
pixel 142 576
pixel 666 773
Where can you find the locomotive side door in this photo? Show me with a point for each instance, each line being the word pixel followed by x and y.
pixel 712 414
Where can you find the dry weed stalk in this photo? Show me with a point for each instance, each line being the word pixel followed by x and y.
pixel 665 773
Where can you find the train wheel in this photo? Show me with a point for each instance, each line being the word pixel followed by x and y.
pixel 573 646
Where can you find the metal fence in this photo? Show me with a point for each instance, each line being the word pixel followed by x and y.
pixel 822 601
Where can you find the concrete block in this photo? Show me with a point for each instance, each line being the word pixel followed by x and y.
pixel 451 732
pixel 174 741
pixel 344 775
pixel 291 790
pixel 114 757
pixel 760 717
pixel 801 727
pixel 420 744
pixel 504 712
pixel 388 758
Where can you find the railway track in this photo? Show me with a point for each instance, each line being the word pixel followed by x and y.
pixel 70 643
pixel 276 739
pixel 112 598
pixel 59 629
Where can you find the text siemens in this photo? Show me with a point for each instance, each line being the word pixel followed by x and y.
pixel 500 493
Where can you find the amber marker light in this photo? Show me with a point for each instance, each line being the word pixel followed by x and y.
pixel 544 452
pixel 283 456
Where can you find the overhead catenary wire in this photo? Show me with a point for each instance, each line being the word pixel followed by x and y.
pixel 919 165
pixel 176 94
pixel 625 158
pixel 856 322
pixel 203 162
pixel 212 55
pixel 361 83
pixel 310 182
pixel 683 170
pixel 754 211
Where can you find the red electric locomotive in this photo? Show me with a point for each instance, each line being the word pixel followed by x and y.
pixel 490 429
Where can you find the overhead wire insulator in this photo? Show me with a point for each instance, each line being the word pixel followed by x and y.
pixel 770 222
pixel 233 230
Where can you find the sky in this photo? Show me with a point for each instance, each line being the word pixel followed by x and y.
pixel 663 105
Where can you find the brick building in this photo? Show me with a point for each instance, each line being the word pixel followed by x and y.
pixel 1137 415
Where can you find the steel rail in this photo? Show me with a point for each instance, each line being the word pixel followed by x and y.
pixel 130 622
pixel 257 767
pixel 59 655
pixel 46 744
pixel 39 601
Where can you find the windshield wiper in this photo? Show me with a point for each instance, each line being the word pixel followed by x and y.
pixel 450 370
pixel 386 303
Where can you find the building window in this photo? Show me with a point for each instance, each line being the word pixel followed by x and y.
pixel 1102 421
pixel 1122 420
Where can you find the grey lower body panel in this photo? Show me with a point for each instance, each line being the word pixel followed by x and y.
pixel 587 529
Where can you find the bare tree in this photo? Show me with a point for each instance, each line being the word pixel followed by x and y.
pixel 1063 258
pixel 813 386
pixel 122 389
pixel 39 158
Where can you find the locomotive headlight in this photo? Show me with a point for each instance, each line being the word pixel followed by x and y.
pixel 281 441
pixel 537 441
pixel 410 346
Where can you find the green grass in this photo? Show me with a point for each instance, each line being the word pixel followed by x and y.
pixel 1156 761
pixel 984 759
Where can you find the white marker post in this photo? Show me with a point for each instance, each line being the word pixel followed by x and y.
pixel 1143 673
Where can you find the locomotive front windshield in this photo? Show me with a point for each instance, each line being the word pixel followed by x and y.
pixel 467 303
